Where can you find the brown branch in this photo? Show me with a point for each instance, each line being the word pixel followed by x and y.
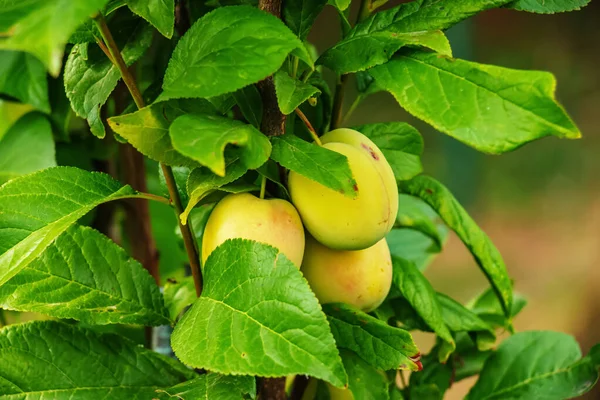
pixel 273 120
pixel 272 389
pixel 273 124
pixel 188 237
pixel 309 126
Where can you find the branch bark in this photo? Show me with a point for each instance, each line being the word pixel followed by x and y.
pixel 272 389
pixel 273 120
pixel 188 237
pixel 273 124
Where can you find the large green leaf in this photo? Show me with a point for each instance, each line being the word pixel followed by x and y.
pixel 537 365
pixel 54 360
pixel 400 143
pixel 39 207
pixel 23 77
pixel 291 93
pixel 364 381
pixel 203 182
pixel 317 163
pixel 548 6
pixel 226 50
pixel 43 27
pixel 454 215
pixel 148 129
pixel 257 316
pixel 379 344
pixel 492 109
pixel 460 319
pixel 203 138
pixel 299 15
pixel 11 112
pixel 212 386
pixel 415 288
pixel 366 47
pixel 27 147
pixel 90 77
pixel 376 39
pixel 160 13
pixel 414 214
pixel 84 275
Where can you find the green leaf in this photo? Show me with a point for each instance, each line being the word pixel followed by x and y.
pixel 300 15
pixel 292 92
pixel 212 386
pixel 34 26
pixel 379 344
pixel 415 288
pixel 454 215
pixel 203 182
pixel 11 112
pixel 90 77
pixel 364 381
pixel 50 359
pixel 227 49
pixel 414 214
pixel 468 359
pixel 376 39
pixel 400 143
pixel 204 138
pixel 257 316
pixel 319 115
pixel 435 378
pixel 23 77
pixel 415 246
pixel 179 295
pixel 340 4
pixel 492 109
pixel 148 129
pixel 85 276
pixel 460 319
pixel 368 45
pixel 160 13
pixel 536 364
pixel 488 307
pixel 317 163
pixel 27 147
pixel 39 207
pixel 548 6
pixel 250 103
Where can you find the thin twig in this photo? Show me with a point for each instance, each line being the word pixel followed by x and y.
pixel 117 59
pixel 309 126
pixel 186 232
pixel 104 49
pixel 338 100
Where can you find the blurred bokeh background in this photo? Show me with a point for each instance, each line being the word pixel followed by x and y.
pixel 539 204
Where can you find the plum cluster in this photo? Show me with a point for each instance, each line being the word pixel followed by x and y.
pixel 343 254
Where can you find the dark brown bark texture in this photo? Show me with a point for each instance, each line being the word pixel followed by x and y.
pixel 273 121
pixel 273 124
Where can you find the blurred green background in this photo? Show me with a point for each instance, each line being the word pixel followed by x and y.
pixel 539 204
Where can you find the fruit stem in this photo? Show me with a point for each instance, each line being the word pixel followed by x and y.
pixel 186 232
pixel 309 126
pixel 263 186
